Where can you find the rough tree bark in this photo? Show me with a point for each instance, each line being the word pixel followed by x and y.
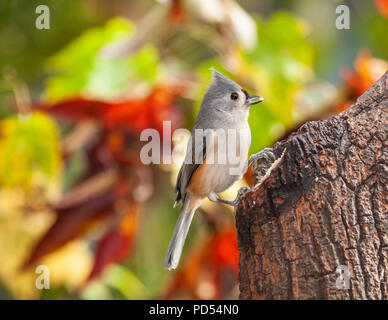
pixel 322 204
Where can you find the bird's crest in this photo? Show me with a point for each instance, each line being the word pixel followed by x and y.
pixel 220 80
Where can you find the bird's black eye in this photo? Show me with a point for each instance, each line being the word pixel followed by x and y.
pixel 234 96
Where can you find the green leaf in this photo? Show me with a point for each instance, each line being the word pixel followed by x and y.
pixel 279 67
pixel 126 282
pixel 28 149
pixel 80 69
pixel 112 76
pixel 283 61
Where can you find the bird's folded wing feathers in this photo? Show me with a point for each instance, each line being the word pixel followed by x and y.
pixel 193 159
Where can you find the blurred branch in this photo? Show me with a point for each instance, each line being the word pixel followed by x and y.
pixel 20 89
pixel 80 136
pixel 95 185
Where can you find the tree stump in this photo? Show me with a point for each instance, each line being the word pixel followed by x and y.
pixel 315 224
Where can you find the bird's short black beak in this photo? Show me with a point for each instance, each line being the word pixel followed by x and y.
pixel 252 99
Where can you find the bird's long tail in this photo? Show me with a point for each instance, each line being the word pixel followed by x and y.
pixel 179 236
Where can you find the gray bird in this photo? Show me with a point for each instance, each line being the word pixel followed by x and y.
pixel 221 130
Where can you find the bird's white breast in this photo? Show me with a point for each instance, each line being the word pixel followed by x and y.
pixel 220 176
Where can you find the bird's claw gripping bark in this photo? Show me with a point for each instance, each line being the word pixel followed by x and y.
pixel 215 198
pixel 265 155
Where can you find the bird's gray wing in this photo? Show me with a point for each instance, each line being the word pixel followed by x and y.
pixel 191 163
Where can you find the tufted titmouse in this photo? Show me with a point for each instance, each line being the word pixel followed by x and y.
pixel 207 168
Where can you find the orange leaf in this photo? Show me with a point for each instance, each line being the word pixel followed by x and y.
pixel 177 12
pixel 382 6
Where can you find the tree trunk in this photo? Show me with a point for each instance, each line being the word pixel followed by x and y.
pixel 319 213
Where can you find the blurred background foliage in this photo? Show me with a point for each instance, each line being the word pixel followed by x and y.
pixel 73 100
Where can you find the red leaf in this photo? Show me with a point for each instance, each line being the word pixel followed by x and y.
pixel 77 109
pixel 71 222
pixel 134 115
pixel 141 114
pixel 210 262
pixel 116 244
pixel 226 250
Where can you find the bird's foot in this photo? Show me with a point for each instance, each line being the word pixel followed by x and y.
pixel 266 155
pixel 216 198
